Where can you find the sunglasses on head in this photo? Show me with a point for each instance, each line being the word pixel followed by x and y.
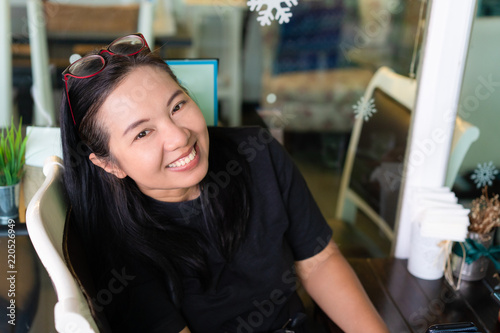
pixel 93 64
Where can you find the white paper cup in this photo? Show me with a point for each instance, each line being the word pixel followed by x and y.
pixel 427 257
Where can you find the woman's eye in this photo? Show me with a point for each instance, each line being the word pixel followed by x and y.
pixel 142 134
pixel 178 106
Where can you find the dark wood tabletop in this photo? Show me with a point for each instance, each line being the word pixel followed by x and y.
pixel 409 304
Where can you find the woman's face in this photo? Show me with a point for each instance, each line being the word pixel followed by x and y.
pixel 157 136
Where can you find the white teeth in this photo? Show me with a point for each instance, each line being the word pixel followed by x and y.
pixel 183 161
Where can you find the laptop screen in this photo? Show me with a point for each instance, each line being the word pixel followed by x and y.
pixel 199 77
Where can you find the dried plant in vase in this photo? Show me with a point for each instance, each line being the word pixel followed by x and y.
pixel 471 258
pixel 485 213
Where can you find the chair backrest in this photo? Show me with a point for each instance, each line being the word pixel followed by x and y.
pixel 464 135
pixel 376 151
pixel 375 158
pixel 45 221
pixel 64 18
pixel 113 18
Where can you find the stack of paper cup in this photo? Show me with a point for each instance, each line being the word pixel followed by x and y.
pixel 427 256
pixel 436 218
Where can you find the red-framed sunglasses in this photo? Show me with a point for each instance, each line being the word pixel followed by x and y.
pixel 93 64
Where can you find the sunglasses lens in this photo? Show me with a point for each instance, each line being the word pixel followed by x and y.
pixel 127 45
pixel 87 66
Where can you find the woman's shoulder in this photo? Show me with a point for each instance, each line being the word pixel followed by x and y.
pixel 237 134
pixel 254 144
pixel 245 140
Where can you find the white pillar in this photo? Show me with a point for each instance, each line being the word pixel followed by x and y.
pixel 236 80
pixel 6 107
pixel 146 22
pixel 439 83
pixel 44 113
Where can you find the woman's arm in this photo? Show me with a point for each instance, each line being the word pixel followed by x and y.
pixel 333 285
pixel 185 330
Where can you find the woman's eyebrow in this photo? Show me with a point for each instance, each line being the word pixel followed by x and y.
pixel 134 125
pixel 138 122
pixel 175 94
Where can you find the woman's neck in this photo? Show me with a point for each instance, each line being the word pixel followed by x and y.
pixel 175 195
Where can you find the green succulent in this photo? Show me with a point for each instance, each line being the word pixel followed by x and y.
pixel 12 148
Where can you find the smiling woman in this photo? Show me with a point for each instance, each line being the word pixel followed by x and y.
pixel 209 227
pixel 160 141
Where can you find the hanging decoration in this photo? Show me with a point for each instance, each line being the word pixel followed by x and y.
pixel 484 174
pixel 274 10
pixel 364 108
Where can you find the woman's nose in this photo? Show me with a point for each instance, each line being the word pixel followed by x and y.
pixel 175 137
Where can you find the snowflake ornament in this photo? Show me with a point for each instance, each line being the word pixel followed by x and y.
pixel 364 109
pixel 266 16
pixel 484 174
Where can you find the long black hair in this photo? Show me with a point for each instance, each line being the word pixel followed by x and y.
pixel 112 216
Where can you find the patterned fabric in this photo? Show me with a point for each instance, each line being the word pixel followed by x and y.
pixel 311 40
pixel 305 68
pixel 316 100
pixel 309 63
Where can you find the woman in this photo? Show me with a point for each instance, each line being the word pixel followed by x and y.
pixel 189 228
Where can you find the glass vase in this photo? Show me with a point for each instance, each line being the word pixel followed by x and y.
pixel 475 270
pixel 9 203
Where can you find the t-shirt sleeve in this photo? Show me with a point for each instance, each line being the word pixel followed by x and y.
pixel 142 304
pixel 308 232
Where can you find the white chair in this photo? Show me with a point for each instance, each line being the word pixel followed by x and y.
pixel 464 135
pixel 401 93
pixel 79 20
pixel 45 220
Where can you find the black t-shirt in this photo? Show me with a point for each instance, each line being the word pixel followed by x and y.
pixel 255 292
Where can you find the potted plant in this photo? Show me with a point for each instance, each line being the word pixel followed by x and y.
pixel 12 148
pixel 477 249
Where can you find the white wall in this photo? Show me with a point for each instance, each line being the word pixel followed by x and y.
pixel 479 100
pixel 439 77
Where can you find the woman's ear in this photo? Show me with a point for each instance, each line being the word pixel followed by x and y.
pixel 107 166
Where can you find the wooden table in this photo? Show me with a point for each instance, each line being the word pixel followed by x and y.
pixel 409 304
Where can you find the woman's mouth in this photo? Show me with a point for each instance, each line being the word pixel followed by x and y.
pixel 184 160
